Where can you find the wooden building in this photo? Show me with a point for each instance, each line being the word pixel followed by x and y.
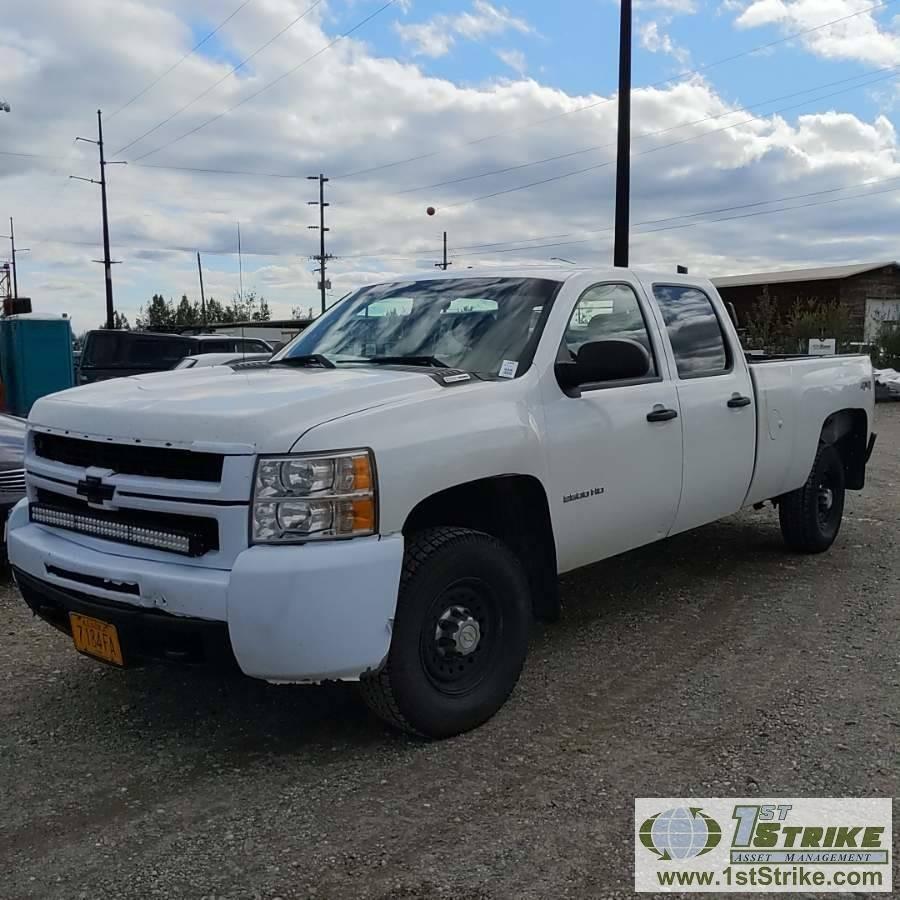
pixel 871 292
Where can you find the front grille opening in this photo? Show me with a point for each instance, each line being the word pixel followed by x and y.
pixel 186 535
pixel 128 459
pixel 122 587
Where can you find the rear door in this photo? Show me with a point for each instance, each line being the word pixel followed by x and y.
pixel 717 405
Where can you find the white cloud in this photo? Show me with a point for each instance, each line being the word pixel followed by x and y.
pixel 353 110
pixel 437 36
pixel 515 59
pixel 654 39
pixel 861 38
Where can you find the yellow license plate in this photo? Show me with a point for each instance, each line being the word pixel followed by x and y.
pixel 96 638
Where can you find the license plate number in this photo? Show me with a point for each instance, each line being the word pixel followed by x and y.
pixel 96 638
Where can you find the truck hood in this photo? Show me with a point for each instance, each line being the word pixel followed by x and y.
pixel 251 411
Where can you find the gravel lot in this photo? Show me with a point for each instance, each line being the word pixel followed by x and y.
pixel 713 664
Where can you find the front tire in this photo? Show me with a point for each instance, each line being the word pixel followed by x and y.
pixel 811 516
pixel 460 634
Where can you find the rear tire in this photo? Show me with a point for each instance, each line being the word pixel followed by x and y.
pixel 811 516
pixel 460 634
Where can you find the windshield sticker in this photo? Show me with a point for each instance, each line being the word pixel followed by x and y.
pixel 509 368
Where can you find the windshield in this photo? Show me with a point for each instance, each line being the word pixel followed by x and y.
pixel 487 326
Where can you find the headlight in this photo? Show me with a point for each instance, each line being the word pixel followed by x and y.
pixel 303 498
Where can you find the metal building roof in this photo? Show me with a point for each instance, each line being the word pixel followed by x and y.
pixel 827 273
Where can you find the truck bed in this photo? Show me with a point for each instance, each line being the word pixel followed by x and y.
pixel 794 397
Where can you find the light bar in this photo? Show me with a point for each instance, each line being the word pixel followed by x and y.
pixel 115 531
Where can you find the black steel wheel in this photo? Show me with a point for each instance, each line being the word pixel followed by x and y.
pixel 811 516
pixel 459 640
pixel 460 634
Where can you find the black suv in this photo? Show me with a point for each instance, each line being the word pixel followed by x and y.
pixel 115 354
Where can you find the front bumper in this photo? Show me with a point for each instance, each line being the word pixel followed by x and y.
pixel 143 634
pixel 313 612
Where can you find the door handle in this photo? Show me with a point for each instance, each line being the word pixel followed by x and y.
pixel 660 414
pixel 738 402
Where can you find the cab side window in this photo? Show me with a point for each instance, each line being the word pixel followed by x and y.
pixel 694 330
pixel 608 312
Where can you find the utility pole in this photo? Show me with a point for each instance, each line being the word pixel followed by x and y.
pixel 623 164
pixel 322 256
pixel 12 242
pixel 13 272
pixel 240 265
pixel 443 265
pixel 107 261
pixel 202 294
pixel 5 282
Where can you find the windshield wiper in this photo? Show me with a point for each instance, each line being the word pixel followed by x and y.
pixel 432 361
pixel 309 359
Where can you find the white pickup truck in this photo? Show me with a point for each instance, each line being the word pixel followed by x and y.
pixel 391 497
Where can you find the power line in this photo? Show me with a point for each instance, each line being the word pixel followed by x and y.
pixel 702 213
pixel 603 165
pixel 275 81
pixel 172 68
pixel 377 254
pixel 594 105
pixel 210 171
pixel 225 77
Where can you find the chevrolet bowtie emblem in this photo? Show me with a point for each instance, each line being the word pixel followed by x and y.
pixel 95 491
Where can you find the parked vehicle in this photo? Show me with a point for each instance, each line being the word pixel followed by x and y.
pixel 887 384
pixel 392 497
pixel 115 354
pixel 205 360
pixel 12 463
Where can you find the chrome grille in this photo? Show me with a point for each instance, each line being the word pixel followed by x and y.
pixel 13 482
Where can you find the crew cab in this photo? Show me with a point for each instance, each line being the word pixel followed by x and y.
pixel 391 497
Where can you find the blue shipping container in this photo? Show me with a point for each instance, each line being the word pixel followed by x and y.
pixel 35 359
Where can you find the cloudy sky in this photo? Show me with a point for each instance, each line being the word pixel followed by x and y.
pixel 502 115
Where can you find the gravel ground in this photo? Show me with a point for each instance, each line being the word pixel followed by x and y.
pixel 713 664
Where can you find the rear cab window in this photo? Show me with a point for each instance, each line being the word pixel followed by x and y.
pixel 695 332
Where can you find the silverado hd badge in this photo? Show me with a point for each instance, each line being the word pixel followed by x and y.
pixel 584 495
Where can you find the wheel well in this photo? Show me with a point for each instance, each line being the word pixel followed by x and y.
pixel 512 508
pixel 847 431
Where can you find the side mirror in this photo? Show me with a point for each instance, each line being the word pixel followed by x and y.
pixel 610 360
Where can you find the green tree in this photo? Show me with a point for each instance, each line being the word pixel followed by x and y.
pixel 817 318
pixel 187 314
pixel 120 322
pixel 159 315
pixel 764 327
pixel 214 311
pixel 247 308
pixel 262 313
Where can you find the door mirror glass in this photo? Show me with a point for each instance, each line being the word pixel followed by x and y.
pixel 609 360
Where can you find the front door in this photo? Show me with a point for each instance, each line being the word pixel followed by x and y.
pixel 615 476
pixel 718 407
